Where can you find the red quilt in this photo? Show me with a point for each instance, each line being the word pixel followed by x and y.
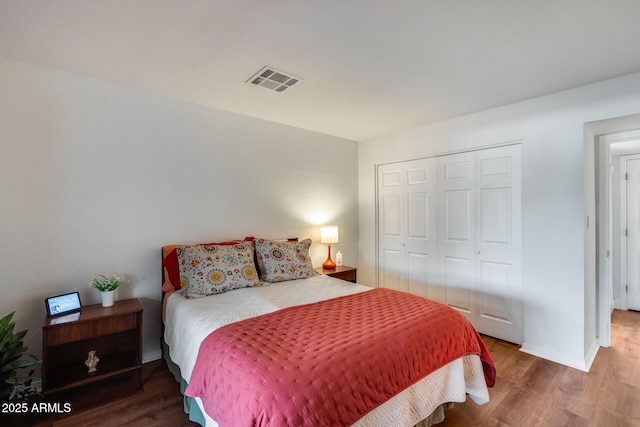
pixel 328 363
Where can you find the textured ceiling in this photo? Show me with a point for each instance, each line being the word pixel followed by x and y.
pixel 369 67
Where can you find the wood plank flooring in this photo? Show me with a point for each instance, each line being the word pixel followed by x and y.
pixel 158 404
pixel 529 391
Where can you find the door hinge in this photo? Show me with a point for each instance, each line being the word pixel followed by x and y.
pixel 626 176
pixel 626 288
pixel 626 232
pixel 608 254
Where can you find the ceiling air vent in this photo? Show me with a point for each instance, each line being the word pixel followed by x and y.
pixel 270 78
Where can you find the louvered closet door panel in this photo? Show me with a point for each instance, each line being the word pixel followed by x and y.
pixel 456 239
pixel 406 225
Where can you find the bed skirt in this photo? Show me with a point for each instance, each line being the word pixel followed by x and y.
pixel 191 407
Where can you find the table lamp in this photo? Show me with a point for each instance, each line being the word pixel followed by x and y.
pixel 329 234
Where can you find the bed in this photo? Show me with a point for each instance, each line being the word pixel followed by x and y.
pixel 290 347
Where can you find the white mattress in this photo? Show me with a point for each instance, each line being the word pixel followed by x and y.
pixel 189 321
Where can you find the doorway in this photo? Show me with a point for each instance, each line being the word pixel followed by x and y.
pixel 628 286
pixel 612 267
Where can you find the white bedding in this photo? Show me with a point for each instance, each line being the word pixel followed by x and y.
pixel 189 321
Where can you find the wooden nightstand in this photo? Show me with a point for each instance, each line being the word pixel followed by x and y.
pixel 114 333
pixel 343 272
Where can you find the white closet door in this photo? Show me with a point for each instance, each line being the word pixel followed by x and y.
pixel 391 226
pixel 498 243
pixel 406 218
pixel 479 238
pixel 456 232
pixel 420 239
pixel 449 230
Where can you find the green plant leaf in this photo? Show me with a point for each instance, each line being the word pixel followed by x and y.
pixel 14 357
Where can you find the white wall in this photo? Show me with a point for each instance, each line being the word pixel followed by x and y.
pixel 96 177
pixel 559 296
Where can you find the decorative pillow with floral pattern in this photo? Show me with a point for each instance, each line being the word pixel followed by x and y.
pixel 213 269
pixel 279 261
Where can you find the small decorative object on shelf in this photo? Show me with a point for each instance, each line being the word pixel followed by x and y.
pixel 92 361
pixel 107 285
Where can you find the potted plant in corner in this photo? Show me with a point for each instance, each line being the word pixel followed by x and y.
pixel 107 285
pixel 15 385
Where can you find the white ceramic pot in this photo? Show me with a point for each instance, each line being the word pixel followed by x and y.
pixel 108 297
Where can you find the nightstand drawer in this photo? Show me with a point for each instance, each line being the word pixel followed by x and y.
pixel 349 276
pixel 342 272
pixel 71 332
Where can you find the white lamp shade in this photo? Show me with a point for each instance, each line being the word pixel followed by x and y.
pixel 329 234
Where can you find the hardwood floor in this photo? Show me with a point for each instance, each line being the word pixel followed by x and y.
pixel 158 404
pixel 535 392
pixel 529 391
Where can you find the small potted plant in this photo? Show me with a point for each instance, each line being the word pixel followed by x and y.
pixel 107 285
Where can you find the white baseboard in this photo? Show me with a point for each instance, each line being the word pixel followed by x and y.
pixel 591 354
pixel 151 356
pixel 560 358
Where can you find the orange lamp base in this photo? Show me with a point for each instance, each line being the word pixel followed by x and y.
pixel 329 264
